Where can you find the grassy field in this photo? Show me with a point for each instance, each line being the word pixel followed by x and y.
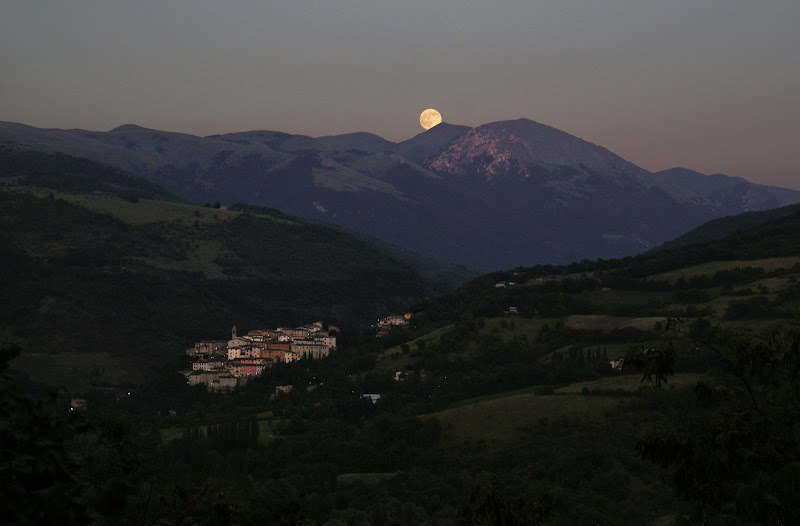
pixel 499 422
pixel 510 327
pixel 142 211
pixel 496 396
pixel 713 267
pixel 629 298
pixel 591 437
pixel 364 478
pixel 200 258
pixel 78 371
pixel 626 382
pixel 393 359
pixel 631 382
pixel 608 323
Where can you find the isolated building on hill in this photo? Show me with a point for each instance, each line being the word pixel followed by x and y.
pixel 373 397
pixel 395 320
pixel 283 389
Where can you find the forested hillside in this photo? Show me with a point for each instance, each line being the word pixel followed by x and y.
pixel 654 390
pixel 92 276
pixel 22 165
pixel 725 226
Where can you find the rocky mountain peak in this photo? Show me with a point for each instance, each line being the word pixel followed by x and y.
pixel 519 147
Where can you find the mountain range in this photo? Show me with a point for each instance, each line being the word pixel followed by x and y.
pixel 499 195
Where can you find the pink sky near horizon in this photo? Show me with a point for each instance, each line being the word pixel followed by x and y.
pixel 711 87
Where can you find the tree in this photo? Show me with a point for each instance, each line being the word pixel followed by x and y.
pixel 35 466
pixel 737 456
pixel 655 363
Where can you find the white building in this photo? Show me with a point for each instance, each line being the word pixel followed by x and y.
pixel 243 352
pixel 211 365
pixel 310 349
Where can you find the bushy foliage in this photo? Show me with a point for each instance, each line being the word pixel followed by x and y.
pixel 739 458
pixel 38 472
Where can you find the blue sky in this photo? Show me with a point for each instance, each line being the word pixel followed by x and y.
pixel 712 85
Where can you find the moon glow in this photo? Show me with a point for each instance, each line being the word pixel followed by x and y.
pixel 430 118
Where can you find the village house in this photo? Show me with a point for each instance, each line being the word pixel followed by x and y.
pixel 402 375
pixel 245 351
pixel 323 338
pixel 210 365
pixel 283 389
pixel 310 349
pixel 276 345
pixel 238 341
pixel 294 333
pixel 244 368
pixel 395 320
pixel 277 355
pixel 77 404
pixel 201 377
pixel 223 383
pixel 221 380
pixel 207 348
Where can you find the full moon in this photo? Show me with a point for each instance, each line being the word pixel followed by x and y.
pixel 430 118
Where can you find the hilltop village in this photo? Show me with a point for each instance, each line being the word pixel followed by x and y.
pixel 221 365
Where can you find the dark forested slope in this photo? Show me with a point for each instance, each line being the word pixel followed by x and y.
pixel 22 165
pixel 100 274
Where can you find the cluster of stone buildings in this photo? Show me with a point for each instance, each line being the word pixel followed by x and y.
pixel 221 365
pixel 395 320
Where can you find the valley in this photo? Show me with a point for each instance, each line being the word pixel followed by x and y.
pixel 399 263
pixel 590 392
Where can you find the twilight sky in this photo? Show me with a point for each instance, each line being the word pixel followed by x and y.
pixel 712 85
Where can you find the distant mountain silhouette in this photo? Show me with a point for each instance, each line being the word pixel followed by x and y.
pixel 499 195
pixel 733 195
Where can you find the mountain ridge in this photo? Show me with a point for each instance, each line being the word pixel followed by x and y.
pixel 498 195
